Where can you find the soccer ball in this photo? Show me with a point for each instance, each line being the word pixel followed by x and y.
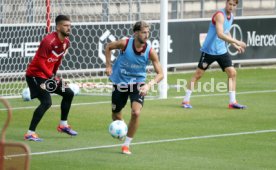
pixel 118 129
pixel 26 95
pixel 75 88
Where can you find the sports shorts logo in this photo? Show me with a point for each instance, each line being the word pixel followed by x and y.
pixel 204 65
pixel 113 106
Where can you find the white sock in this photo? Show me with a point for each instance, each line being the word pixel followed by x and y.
pixel 63 123
pixel 30 132
pixel 232 97
pixel 187 96
pixel 127 141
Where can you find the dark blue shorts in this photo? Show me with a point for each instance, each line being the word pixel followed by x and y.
pixel 120 95
pixel 206 60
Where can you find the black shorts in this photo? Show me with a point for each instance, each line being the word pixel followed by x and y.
pixel 223 60
pixel 120 95
pixel 37 90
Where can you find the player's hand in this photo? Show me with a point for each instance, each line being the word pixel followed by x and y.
pixel 239 48
pixel 66 82
pixel 241 44
pixel 108 70
pixel 143 91
pixel 43 86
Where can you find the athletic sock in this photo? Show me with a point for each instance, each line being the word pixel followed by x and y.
pixel 187 96
pixel 127 141
pixel 30 132
pixel 63 123
pixel 232 97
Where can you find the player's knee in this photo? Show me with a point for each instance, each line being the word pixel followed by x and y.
pixel 46 104
pixel 232 73
pixel 69 94
pixel 135 113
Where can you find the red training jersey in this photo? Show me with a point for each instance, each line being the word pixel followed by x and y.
pixel 48 56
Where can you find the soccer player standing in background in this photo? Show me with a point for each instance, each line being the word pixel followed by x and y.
pixel 128 76
pixel 40 76
pixel 215 49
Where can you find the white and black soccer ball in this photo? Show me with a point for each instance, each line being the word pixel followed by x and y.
pixel 26 95
pixel 75 88
pixel 118 129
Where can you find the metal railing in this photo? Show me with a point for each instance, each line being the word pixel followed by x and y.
pixel 34 11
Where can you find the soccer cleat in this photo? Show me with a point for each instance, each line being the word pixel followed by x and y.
pixel 186 105
pixel 125 150
pixel 32 137
pixel 236 106
pixel 67 129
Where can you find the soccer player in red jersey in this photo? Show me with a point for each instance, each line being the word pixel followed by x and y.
pixel 40 76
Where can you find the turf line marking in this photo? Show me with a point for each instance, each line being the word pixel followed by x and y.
pixel 177 97
pixel 73 104
pixel 148 142
pixel 224 94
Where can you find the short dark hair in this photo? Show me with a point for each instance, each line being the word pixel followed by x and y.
pixel 60 18
pixel 139 25
pixel 237 1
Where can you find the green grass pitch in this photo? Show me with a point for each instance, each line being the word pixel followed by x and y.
pixel 209 136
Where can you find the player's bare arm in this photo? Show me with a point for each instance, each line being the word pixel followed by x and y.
pixel 240 49
pixel 159 73
pixel 219 19
pixel 120 44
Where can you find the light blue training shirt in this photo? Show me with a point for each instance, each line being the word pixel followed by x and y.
pixel 213 45
pixel 130 65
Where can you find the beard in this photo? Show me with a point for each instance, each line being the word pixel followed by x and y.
pixel 65 34
pixel 141 41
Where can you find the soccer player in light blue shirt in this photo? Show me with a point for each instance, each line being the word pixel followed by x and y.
pixel 214 49
pixel 128 76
